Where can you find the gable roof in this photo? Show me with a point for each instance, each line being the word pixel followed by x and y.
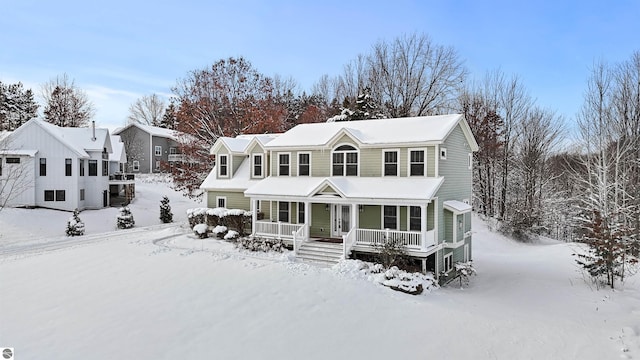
pixel 410 130
pixel 241 179
pixel 241 143
pixel 153 130
pixel 118 154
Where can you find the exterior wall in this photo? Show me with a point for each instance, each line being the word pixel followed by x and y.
pixel 371 217
pixel 95 186
pixel 165 143
pixel 22 191
pixel 320 222
pixel 235 200
pixel 137 146
pixel 236 162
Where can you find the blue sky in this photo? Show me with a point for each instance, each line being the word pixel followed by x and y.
pixel 118 51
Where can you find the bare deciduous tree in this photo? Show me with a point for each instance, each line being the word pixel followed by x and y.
pixel 66 105
pixel 147 110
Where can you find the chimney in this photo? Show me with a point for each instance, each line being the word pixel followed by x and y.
pixel 93 128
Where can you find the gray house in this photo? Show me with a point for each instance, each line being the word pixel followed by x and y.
pixel 336 189
pixel 148 146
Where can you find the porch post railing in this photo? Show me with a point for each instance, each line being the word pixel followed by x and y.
pixel 423 227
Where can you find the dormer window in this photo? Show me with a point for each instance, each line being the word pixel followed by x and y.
pixel 345 161
pixel 223 165
pixel 257 165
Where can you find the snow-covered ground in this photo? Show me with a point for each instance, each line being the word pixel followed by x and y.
pixel 157 292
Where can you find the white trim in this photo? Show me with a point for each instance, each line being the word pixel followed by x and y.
pixel 278 162
pixel 409 216
pixel 288 210
pixel 157 149
pixel 425 152
pixel 298 163
pixel 470 163
pixel 227 165
pixel 223 198
pixel 253 166
pixel 345 152
pixel 444 262
pixel 136 165
pixel 397 217
pixel 397 151
pixel 443 153
pixel 466 253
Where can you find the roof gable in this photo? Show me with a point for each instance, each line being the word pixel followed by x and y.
pixel 151 130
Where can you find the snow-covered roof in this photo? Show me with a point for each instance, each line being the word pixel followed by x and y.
pixel 241 179
pixel 118 154
pixel 21 152
pixel 80 140
pixel 353 187
pixel 410 130
pixel 153 130
pixel 241 143
pixel 456 206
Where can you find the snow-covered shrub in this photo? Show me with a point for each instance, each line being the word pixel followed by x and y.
pixel 75 226
pixel 238 219
pixel 220 231
pixel 196 216
pixel 464 271
pixel 231 235
pixel 201 230
pixel 166 216
pixel 260 244
pixel 407 282
pixel 124 220
pixel 392 253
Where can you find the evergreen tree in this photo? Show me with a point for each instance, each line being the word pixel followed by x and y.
pixel 166 216
pixel 125 218
pixel 17 106
pixel 75 226
pixel 170 118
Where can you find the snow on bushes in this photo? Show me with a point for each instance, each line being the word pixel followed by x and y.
pixel 393 278
pixel 231 235
pixel 125 219
pixel 235 219
pixel 75 226
pixel 201 230
pixel 260 244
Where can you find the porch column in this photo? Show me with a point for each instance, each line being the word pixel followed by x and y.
pixel 354 216
pixel 423 226
pixel 254 215
pixel 307 218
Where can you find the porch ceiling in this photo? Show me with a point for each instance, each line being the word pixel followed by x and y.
pixel 349 187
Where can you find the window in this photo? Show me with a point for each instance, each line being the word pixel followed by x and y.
pixel 48 195
pixel 221 201
pixel 81 194
pixel 67 167
pixel 105 168
pixel 415 220
pixel 60 195
pixel 390 217
pixel 283 211
pixel 448 262
pixel 93 167
pixel 13 160
pixel 300 213
pixel 443 153
pixel 158 151
pixel 173 151
pixel 390 163
pixel 304 164
pixel 416 163
pixel 43 166
pixel 345 161
pixel 470 164
pixel 257 165
pixel 136 165
pixel 223 165
pixel 283 164
pixel 81 165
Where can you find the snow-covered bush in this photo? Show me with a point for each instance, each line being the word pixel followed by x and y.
pixel 392 253
pixel 201 230
pixel 260 244
pixel 75 226
pixel 196 216
pixel 231 235
pixel 166 216
pixel 220 231
pixel 236 219
pixel 407 282
pixel 464 271
pixel 124 220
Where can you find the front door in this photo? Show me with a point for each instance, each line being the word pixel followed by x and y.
pixel 341 220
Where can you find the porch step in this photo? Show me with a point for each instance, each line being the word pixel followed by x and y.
pixel 320 252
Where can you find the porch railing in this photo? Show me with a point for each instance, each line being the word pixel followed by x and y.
pixel 348 241
pixel 299 237
pixel 279 230
pixel 410 239
pixel 176 157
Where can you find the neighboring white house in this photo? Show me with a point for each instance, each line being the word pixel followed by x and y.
pixel 67 168
pixel 118 158
pixel 338 188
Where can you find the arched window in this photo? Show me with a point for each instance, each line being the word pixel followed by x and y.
pixel 345 161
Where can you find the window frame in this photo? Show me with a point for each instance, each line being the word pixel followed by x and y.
pixel 49 195
pixel 308 153
pixel 95 167
pixel 254 165
pixel 345 163
pixel 59 197
pixel 385 216
pixel 223 200
pixel 280 211
pixel 12 160
pixel 470 161
pixel 222 166
pixel 384 161
pixel 443 153
pixel 105 168
pixel 410 217
pixel 280 164
pixel 68 162
pixel 301 210
pixel 157 150
pixel 447 262
pixel 81 167
pixel 135 165
pixel 410 162
pixel 42 167
pixel 82 194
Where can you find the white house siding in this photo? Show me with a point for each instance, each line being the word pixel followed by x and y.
pixel 25 197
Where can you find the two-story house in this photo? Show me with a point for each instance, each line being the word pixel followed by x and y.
pixel 148 146
pixel 59 168
pixel 343 187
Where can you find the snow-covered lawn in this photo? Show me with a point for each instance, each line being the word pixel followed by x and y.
pixel 160 293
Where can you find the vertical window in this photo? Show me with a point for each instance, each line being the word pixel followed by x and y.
pixel 136 165
pixel 390 217
pixel 257 165
pixel 48 195
pixel 223 165
pixel 81 167
pixel 391 163
pixel 304 164
pixel 416 165
pixel 221 201
pixel 43 166
pixel 283 164
pixel 81 194
pixel 283 211
pixel 345 161
pixel 300 213
pixel 443 153
pixel 93 167
pixel 105 168
pixel 158 150
pixel 67 167
pixel 60 195
pixel 470 163
pixel 448 262
pixel 415 218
